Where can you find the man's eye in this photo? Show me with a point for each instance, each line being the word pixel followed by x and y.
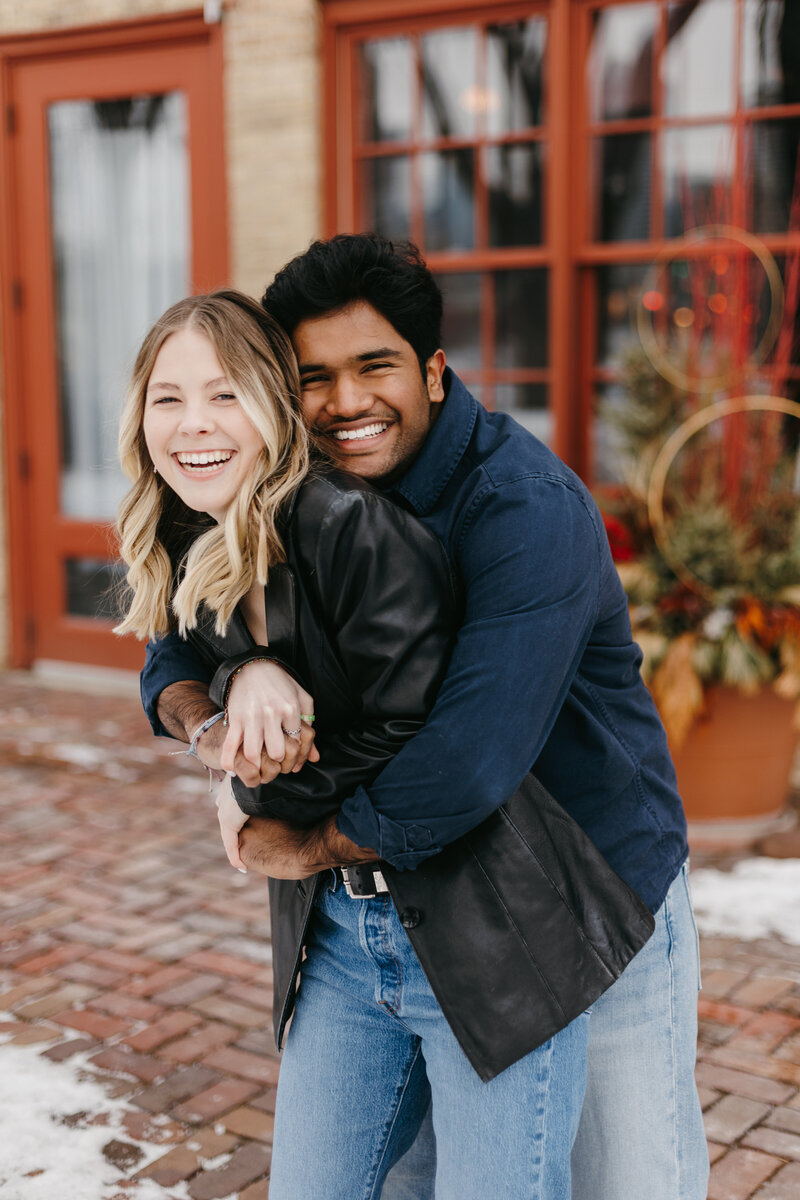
pixel 307 380
pixel 378 366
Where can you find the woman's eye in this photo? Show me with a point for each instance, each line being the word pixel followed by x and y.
pixel 165 400
pixel 225 396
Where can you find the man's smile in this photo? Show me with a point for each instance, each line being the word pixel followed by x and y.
pixel 360 434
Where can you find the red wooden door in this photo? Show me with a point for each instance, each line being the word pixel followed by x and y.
pixel 115 207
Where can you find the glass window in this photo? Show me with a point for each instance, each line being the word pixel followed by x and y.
pixel 386 79
pixel 515 76
pixel 386 195
pixel 449 191
pixel 516 198
pixel 622 176
pixel 697 167
pixel 461 323
pixel 521 318
pixel 770 53
pixel 618 289
pixel 773 148
pixel 620 66
pixel 698 63
pixel 449 83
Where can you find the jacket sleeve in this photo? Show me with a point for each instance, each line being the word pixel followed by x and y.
pixel 386 601
pixel 531 558
pixel 168 660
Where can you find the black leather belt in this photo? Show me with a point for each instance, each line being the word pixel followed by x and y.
pixel 364 881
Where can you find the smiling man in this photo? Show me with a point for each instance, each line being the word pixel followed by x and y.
pixel 544 678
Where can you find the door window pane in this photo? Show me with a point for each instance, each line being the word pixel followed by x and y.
pixel 386 73
pixel 622 179
pixel 449 197
pixel 515 75
pixel 770 53
pixel 621 62
pixel 461 321
pixel 697 169
pixel 121 238
pixel 95 588
pixel 450 96
pixel 387 195
pixel 697 70
pixel 521 318
pixel 514 179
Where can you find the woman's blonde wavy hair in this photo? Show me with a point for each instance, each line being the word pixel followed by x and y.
pixel 160 537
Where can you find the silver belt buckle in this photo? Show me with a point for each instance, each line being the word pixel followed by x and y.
pixel 378 881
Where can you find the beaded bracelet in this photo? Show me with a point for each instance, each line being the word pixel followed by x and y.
pixel 198 733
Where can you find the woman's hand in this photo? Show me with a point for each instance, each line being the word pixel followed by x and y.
pixel 266 707
pixel 231 819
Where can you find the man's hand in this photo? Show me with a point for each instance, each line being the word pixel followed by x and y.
pixel 281 851
pixel 264 702
pixel 182 708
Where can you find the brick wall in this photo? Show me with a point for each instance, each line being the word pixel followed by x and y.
pixel 271 90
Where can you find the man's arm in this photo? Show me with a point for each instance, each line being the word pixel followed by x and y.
pixel 174 686
pixel 281 851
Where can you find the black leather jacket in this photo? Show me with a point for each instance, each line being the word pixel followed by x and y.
pixel 363 613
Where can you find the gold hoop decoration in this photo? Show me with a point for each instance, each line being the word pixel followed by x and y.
pixel 659 360
pixel 667 454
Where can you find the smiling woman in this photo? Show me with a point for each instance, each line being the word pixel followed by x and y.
pixel 197 433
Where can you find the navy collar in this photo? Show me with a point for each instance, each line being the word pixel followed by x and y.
pixel 433 468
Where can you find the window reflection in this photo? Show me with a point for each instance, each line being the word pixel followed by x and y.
pixel 449 83
pixel 770 53
pixel 515 59
pixel 622 179
pixel 697 166
pixel 387 195
pixel 461 323
pixel 521 318
pixel 386 81
pixel 698 60
pixel 514 179
pixel 121 244
pixel 621 62
pixel 449 199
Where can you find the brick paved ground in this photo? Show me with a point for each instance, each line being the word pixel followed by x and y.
pixel 126 937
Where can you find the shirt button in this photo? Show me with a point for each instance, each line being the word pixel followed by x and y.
pixel 410 918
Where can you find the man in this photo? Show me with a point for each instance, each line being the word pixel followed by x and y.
pixel 544 677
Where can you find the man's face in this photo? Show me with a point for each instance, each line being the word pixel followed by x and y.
pixel 363 391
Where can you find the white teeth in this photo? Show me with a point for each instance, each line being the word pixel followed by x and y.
pixel 352 435
pixel 205 458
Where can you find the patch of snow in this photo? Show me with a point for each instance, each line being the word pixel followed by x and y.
pixel 48 1148
pixel 81 755
pixel 759 897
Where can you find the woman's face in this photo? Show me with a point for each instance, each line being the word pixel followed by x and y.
pixel 199 438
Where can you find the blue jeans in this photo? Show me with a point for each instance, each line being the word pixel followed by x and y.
pixel 369 1051
pixel 641 1130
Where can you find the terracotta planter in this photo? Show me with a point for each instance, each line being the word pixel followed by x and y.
pixel 734 767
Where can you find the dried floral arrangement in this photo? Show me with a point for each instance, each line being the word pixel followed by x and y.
pixel 705 526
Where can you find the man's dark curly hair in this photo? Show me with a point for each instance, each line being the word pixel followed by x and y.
pixel 390 276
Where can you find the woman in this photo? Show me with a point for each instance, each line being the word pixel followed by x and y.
pixel 237 532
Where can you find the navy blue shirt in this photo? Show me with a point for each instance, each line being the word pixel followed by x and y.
pixel 544 674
